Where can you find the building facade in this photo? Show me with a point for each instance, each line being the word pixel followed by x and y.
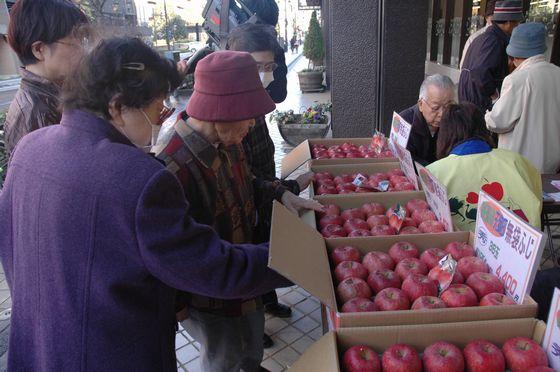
pixel 8 60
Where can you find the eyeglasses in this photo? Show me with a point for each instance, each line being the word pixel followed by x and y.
pixel 437 108
pixel 82 44
pixel 267 67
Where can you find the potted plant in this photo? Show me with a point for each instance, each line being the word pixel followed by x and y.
pixel 311 79
pixel 312 122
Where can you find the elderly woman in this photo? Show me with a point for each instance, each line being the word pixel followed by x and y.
pixel 468 163
pixel 95 235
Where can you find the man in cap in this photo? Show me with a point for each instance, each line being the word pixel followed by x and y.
pixel 527 115
pixel 488 16
pixel 206 154
pixel 486 63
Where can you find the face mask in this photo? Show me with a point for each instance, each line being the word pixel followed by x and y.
pixel 266 78
pixel 155 133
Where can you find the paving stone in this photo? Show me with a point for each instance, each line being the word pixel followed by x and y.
pixel 193 366
pixel 274 325
pixel 302 344
pixel 286 357
pixel 277 345
pixel 272 365
pixel 308 306
pixel 292 298
pixel 317 333
pixel 289 334
pixel 186 354
pixel 180 340
pixel 306 324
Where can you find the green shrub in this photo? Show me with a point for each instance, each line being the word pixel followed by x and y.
pixel 314 47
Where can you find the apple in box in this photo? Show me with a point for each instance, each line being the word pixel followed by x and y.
pixel 469 265
pixel 345 253
pixel 376 260
pixel 330 220
pixel 416 204
pixel 431 227
pixel 416 285
pixel 395 180
pixel 377 220
pixel 359 233
pixel 380 279
pixel 458 250
pixel 409 230
pixel 322 176
pixel 439 275
pixel 326 189
pixel 382 230
pixel 355 224
pixel 350 269
pixel 401 250
pixel 496 299
pixel 358 305
pixel 350 187
pixel 459 295
pixel 392 209
pixel 330 210
pixel 484 283
pixel 428 302
pixel 361 358
pixel 353 213
pixel 351 288
pixel 326 182
pixel 371 209
pixel 410 266
pixel 343 178
pixel 395 172
pixel 443 357
pixel 483 356
pixel 333 231
pixel 432 256
pixel 421 215
pixel 522 353
pixel 401 358
pixel 391 299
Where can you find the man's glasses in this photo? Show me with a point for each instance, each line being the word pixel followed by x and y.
pixel 267 67
pixel 437 108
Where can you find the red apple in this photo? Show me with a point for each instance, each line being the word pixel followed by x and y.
pixel 401 358
pixel 345 253
pixel 376 260
pixel 416 204
pixel 325 182
pixel 395 180
pixel 330 210
pixel 380 279
pixel 395 172
pixel 409 230
pixel 347 145
pixel 358 305
pixel 484 356
pixel 458 250
pixel 431 227
pixel 330 220
pixel 383 230
pixel 355 224
pixel 326 189
pixel 421 215
pixel 351 288
pixel 358 233
pixel 362 190
pixel 371 209
pixel 361 358
pixel 485 283
pixel 416 285
pixel 459 295
pixel 404 186
pixel 390 211
pixel 410 266
pixel 386 154
pixel 350 269
pixel 432 256
pixel 376 220
pixel 469 265
pixel 428 302
pixel 390 299
pixel 354 154
pixel 522 353
pixel 345 187
pixel 353 213
pixel 401 250
pixel 438 274
pixel 408 222
pixel 496 299
pixel 443 357
pixel 343 178
pixel 378 177
pixel 337 155
pixel 333 231
pixel 322 176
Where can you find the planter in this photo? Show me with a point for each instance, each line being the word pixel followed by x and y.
pixel 311 81
pixel 296 133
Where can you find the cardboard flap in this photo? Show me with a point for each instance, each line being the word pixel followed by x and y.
pixel 299 253
pixel 321 356
pixel 295 159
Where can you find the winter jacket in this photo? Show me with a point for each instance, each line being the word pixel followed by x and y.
pixel 421 143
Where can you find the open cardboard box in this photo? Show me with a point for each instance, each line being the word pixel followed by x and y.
pixel 301 254
pixel 301 154
pixel 325 355
pixel 338 169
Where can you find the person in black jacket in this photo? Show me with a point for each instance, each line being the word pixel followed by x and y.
pixel 436 93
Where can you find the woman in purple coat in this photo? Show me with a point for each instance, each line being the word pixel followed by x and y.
pixel 93 231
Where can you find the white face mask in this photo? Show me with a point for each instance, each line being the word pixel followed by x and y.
pixel 155 133
pixel 266 78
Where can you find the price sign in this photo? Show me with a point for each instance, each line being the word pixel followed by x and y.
pixel 436 196
pixel 407 165
pixel 400 130
pixel 511 248
pixel 551 341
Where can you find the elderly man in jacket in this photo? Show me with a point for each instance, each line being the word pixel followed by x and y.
pixel 436 93
pixel 488 17
pixel 526 116
pixel 486 63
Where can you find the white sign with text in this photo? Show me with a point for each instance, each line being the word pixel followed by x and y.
pixel 551 342
pixel 400 130
pixel 406 163
pixel 511 247
pixel 436 196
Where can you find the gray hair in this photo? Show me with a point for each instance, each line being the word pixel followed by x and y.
pixel 439 81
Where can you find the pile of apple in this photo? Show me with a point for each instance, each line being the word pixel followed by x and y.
pixel 348 150
pixel 402 279
pixel 372 219
pixel 519 354
pixel 325 183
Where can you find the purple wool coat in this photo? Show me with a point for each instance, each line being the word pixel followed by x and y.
pixel 94 236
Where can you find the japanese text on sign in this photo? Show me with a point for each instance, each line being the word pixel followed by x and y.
pixel 551 342
pixel 436 196
pixel 511 248
pixel 400 130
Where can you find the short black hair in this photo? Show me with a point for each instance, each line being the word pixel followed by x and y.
pixel 250 37
pixel 41 20
pixel 120 68
pixel 266 10
pixel 490 6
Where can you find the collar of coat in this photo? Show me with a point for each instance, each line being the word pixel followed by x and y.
pixel 531 61
pixel 90 122
pixel 39 84
pixel 471 146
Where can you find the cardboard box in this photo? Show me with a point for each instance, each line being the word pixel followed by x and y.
pixel 301 154
pixel 338 169
pixel 301 254
pixel 325 355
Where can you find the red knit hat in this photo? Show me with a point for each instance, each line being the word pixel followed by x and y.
pixel 227 88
